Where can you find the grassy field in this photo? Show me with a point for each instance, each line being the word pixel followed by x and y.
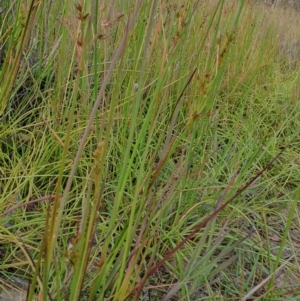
pixel 149 150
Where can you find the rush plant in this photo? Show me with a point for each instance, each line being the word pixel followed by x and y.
pixel 146 152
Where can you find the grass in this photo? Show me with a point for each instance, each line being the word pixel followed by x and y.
pixel 149 152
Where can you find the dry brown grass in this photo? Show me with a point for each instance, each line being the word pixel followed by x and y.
pixel 284 18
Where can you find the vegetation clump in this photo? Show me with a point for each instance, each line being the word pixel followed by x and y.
pixel 149 150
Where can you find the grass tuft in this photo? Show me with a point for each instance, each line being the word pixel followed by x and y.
pixel 149 151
